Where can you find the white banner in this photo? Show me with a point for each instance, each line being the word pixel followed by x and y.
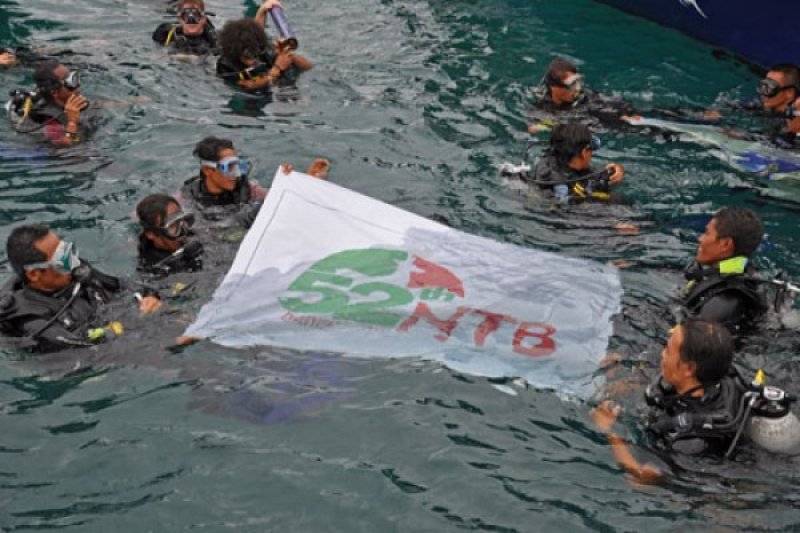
pixel 325 268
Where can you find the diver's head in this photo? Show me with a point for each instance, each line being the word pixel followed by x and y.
pixel 573 145
pixel 57 82
pixel 779 88
pixel 243 42
pixel 732 232
pixel 698 352
pixel 192 17
pixel 220 165
pixel 165 225
pixel 40 258
pixel 564 84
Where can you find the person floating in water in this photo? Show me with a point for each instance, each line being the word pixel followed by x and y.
pixel 223 188
pixel 55 107
pixel 721 281
pixel 249 60
pixel 164 245
pixel 565 168
pixel 55 299
pixel 193 34
pixel 694 403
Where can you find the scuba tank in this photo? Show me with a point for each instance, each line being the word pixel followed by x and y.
pixel 772 425
pixel 20 104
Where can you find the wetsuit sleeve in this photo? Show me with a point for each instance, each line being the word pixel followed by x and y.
pixel 161 33
pixel 726 308
pixel 226 70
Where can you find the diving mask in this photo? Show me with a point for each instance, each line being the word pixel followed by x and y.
pixel 65 259
pixel 191 15
pixel 232 166
pixel 72 81
pixel 573 82
pixel 595 143
pixel 769 88
pixel 177 225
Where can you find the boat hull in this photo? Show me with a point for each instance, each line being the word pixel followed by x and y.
pixel 764 33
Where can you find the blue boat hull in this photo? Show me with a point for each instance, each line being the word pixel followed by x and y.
pixel 764 33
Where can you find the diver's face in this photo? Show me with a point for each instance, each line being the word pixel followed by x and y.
pixel 567 90
pixel 780 99
pixel 161 241
pixel 48 279
pixel 711 248
pixel 63 93
pixel 217 177
pixel 192 19
pixel 674 370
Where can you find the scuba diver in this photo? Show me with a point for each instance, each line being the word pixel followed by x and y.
pixel 722 282
pixel 701 406
pixel 27 57
pixel 164 245
pixel 53 301
pixel 55 106
pixel 561 97
pixel 222 187
pixel 565 168
pixel 193 34
pixel 247 58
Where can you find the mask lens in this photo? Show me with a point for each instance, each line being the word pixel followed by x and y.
pixel 72 81
pixel 231 167
pixel 768 87
pixel 192 15
pixel 574 83
pixel 65 258
pixel 596 143
pixel 178 225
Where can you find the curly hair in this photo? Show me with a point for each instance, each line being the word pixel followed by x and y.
pixel 239 36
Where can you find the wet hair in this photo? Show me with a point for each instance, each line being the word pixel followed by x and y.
pixel 183 3
pixel 209 148
pixel 45 77
pixel 237 36
pixel 791 74
pixel 743 226
pixel 21 247
pixel 558 67
pixel 709 345
pixel 567 141
pixel 151 209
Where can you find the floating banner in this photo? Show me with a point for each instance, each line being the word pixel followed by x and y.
pixel 325 268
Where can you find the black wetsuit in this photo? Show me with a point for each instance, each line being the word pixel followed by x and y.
pixel 159 263
pixel 689 425
pixel 170 34
pixel 242 203
pixel 597 111
pixel 47 322
pixel 49 119
pixel 730 299
pixel 234 71
pixel 564 182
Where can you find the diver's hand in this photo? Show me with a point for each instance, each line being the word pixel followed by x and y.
pixel 632 119
pixel 185 340
pixel 72 109
pixel 269 4
pixel 712 114
pixel 605 415
pixel 149 305
pixel 7 58
pixel 618 174
pixel 319 168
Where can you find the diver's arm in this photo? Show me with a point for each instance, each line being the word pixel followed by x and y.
pixel 301 62
pixel 261 14
pixel 605 416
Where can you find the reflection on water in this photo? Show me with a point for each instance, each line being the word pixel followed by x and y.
pixel 415 103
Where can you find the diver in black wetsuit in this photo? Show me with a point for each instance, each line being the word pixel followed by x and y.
pixel 164 245
pixel 695 403
pixel 247 58
pixel 722 284
pixel 194 34
pixel 562 97
pixel 564 170
pixel 55 300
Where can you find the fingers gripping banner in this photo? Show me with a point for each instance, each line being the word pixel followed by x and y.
pixel 325 268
